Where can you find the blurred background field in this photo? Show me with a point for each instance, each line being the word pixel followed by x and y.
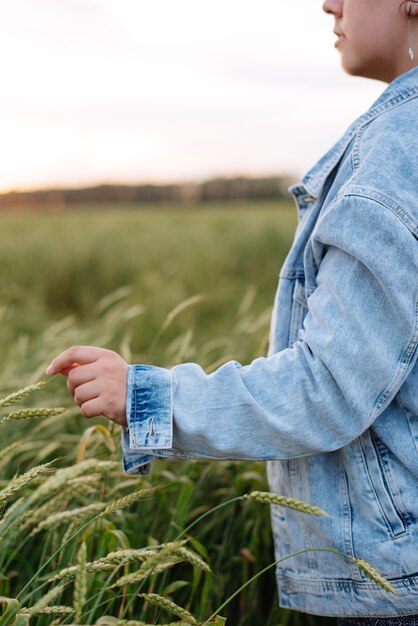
pixel 161 286
pixel 59 265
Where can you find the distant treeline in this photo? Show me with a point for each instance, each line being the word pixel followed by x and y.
pixel 215 189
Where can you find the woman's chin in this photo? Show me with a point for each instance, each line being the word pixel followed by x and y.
pixel 374 71
pixel 355 69
pixel 350 66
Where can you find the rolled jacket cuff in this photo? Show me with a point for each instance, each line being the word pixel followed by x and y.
pixel 134 462
pixel 149 408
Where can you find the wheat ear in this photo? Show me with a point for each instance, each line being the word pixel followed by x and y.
pixel 80 583
pixel 39 606
pixel 21 481
pixel 42 512
pixel 53 610
pixel 21 393
pixel 168 549
pixel 191 557
pixel 32 413
pixel 168 605
pixel 113 621
pixel 218 621
pixel 129 622
pixel 64 475
pixel 72 515
pixel 8 522
pixel 128 555
pixel 163 560
pixel 107 563
pixel 273 498
pixel 83 485
pixel 374 575
pixel 125 501
pixel 157 562
pixel 90 567
pixel 140 574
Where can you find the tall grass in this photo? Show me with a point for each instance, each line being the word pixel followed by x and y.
pixel 110 581
pixel 128 281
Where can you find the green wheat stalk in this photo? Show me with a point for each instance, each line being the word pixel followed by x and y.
pixel 32 413
pixel 169 605
pixel 21 393
pixel 21 481
pixel 272 498
pixel 80 583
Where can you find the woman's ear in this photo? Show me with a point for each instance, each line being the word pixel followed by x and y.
pixel 411 8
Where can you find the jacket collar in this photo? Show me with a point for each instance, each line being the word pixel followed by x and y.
pixel 403 88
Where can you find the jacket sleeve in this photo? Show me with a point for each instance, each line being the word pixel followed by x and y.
pixel 358 344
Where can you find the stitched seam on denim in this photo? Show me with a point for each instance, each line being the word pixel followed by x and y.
pixel 403 96
pixel 407 583
pixel 171 383
pixel 299 293
pixel 131 381
pixel 407 587
pixel 134 392
pixel 399 620
pixel 184 455
pixel 296 322
pixel 362 121
pixel 389 478
pixel 355 159
pixel 292 317
pixel 347 514
pixel 221 457
pixel 136 414
pixel 406 359
pixel 131 464
pixel 370 194
pixel 389 527
pixel 135 403
pixel 292 274
pixel 345 607
pixel 386 485
pixel 410 350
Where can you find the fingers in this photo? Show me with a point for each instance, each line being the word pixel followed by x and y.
pixel 82 374
pixel 79 375
pixel 87 396
pixel 97 379
pixel 66 370
pixel 70 387
pixel 91 408
pixel 69 359
pixel 85 393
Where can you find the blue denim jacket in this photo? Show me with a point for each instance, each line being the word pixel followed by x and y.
pixel 334 406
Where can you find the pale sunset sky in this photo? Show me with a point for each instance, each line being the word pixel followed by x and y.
pixel 158 90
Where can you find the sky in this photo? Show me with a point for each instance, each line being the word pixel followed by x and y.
pixel 129 91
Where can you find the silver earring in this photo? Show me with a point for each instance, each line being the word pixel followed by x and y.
pixel 410 49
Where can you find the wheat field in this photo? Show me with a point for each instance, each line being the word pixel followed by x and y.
pixel 82 543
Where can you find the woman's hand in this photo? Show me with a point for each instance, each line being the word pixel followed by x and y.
pixel 96 379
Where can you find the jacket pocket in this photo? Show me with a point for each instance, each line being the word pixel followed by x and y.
pixel 299 310
pixel 379 476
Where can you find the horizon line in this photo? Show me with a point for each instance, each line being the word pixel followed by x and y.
pixel 149 181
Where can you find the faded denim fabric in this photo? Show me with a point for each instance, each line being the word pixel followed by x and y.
pixel 334 406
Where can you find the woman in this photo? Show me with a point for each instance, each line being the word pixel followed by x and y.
pixel 334 407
